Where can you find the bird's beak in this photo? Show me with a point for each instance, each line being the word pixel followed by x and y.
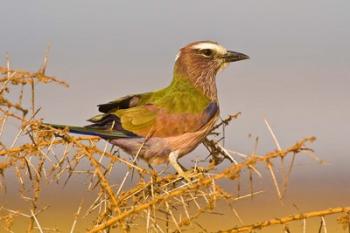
pixel 231 56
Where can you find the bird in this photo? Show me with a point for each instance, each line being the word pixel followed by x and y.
pixel 162 126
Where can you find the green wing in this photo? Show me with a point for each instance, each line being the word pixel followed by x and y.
pixel 165 113
pixel 152 120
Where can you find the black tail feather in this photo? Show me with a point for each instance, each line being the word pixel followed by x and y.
pixel 87 130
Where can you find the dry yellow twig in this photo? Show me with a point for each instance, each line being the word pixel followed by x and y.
pixel 284 220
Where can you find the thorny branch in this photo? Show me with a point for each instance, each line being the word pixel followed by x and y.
pixel 288 219
pixel 40 153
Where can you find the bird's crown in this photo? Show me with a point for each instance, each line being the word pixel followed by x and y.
pixel 205 47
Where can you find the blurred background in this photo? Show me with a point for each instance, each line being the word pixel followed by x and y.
pixel 298 76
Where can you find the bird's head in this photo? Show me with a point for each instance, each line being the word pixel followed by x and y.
pixel 204 59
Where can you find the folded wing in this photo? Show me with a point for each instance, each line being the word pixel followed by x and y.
pixel 126 116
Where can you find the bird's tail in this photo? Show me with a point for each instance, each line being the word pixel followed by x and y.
pixel 86 130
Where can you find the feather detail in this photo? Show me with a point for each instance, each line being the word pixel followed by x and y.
pixel 121 103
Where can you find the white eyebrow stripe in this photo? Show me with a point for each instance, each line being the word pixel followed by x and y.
pixel 206 45
pixel 177 55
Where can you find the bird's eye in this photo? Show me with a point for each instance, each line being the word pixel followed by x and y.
pixel 207 52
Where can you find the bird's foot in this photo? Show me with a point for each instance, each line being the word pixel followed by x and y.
pixel 193 173
pixel 187 175
pixel 200 170
pixel 173 156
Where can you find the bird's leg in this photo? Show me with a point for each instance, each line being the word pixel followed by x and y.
pixel 173 156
